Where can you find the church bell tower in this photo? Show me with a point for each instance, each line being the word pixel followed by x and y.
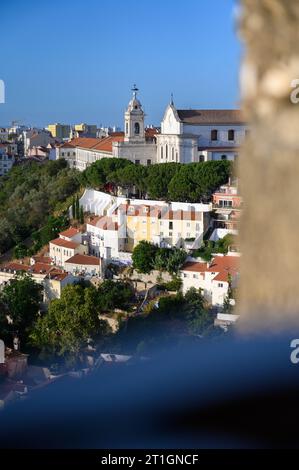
pixel 134 119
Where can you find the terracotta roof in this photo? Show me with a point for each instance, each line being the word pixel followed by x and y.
pixel 66 145
pixel 104 222
pixel 40 268
pixel 151 132
pixel 194 267
pixel 64 243
pixel 15 266
pixel 57 274
pixel 210 116
pixel 85 142
pixel 70 232
pixel 221 265
pixel 104 144
pixel 42 259
pixel 84 259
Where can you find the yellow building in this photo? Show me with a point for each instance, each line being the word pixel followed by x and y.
pixel 61 131
pixel 163 226
pixel 86 129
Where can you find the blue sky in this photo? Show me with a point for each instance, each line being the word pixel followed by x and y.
pixel 75 61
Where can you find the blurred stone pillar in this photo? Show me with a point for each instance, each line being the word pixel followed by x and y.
pixel 269 165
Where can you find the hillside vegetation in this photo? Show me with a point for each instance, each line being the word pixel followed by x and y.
pixel 29 195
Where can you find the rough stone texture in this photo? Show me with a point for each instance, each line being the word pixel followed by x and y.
pixel 269 166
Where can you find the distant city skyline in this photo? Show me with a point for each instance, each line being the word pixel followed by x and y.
pixel 69 62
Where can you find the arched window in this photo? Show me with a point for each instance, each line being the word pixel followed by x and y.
pixel 137 128
pixel 172 153
pixel 231 134
pixel 166 151
pixel 214 134
pixel 161 152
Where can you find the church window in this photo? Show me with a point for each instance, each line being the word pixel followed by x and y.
pixel 166 151
pixel 161 152
pixel 127 128
pixel 172 153
pixel 214 134
pixel 201 158
pixel 231 134
pixel 137 128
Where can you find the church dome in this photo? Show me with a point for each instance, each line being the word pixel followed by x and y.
pixel 134 102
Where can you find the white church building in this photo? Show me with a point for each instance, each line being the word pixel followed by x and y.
pixel 187 135
pixel 193 135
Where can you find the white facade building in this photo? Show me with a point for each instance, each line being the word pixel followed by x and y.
pixel 187 135
pixel 137 146
pixel 212 278
pixel 121 223
pixel 199 135
pixel 67 245
pixel 83 265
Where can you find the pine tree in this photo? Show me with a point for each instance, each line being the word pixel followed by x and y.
pixel 77 208
pixel 73 208
pixel 81 215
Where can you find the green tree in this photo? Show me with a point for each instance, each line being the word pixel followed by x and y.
pixel 158 179
pixel 198 317
pixel 81 215
pixel 21 299
pixel 77 207
pixel 20 251
pixel 113 295
pixel 73 208
pixel 143 257
pixel 69 323
pixel 175 260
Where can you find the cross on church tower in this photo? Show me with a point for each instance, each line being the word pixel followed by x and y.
pixel 135 89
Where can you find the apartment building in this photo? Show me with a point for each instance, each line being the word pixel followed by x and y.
pixel 214 278
pixel 68 244
pixel 60 131
pixel 6 160
pixel 122 226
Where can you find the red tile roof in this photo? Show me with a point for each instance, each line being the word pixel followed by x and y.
pixel 70 232
pixel 42 259
pixel 221 265
pixel 40 268
pixel 84 259
pixel 57 274
pixel 64 243
pixel 104 222
pixel 15 266
pixel 85 142
pixel 104 144
pixel 66 145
